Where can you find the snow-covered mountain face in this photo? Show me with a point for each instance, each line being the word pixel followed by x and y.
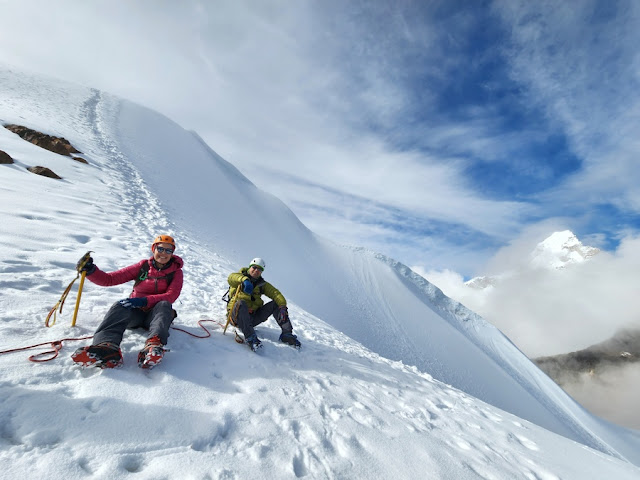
pixel 482 282
pixel 558 251
pixel 146 175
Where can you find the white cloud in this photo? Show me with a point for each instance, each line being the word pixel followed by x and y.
pixel 547 312
pixel 286 90
pixel 264 88
pixel 612 394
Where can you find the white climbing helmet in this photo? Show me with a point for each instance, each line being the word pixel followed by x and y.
pixel 258 262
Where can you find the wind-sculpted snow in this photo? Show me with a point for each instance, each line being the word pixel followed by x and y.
pixel 387 378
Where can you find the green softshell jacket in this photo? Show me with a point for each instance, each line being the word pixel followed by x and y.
pixel 260 287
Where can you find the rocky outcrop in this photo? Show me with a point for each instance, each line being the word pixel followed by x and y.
pixel 54 144
pixel 44 171
pixel 5 158
pixel 49 142
pixel 622 348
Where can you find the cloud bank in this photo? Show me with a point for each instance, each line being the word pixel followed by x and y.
pixel 548 312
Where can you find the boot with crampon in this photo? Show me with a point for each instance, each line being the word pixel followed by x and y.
pixel 152 353
pixel 102 355
pixel 254 342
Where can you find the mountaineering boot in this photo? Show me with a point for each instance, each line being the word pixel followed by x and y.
pixel 253 342
pixel 103 355
pixel 152 353
pixel 290 338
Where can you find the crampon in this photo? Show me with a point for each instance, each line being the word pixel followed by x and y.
pixel 103 355
pixel 152 353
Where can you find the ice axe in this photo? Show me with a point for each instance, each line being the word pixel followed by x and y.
pixel 81 274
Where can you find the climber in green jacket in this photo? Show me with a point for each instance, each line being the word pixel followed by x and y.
pixel 250 310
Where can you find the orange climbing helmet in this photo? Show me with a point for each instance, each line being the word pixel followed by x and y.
pixel 163 239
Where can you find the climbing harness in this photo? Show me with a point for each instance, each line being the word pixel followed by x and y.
pixel 81 274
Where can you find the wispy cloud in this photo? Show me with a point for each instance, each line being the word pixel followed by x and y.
pixel 579 63
pixel 414 125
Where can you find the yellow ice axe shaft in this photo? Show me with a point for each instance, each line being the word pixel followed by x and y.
pixel 75 312
pixel 58 306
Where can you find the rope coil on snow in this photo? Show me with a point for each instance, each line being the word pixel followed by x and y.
pixel 207 332
pixel 56 345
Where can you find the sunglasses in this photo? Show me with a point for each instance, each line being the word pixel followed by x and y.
pixel 164 250
pixel 257 268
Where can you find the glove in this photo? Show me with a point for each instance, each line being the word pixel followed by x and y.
pixel 130 303
pixel 247 287
pixel 283 315
pixel 86 265
pixel 290 339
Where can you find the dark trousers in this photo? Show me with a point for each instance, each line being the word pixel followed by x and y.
pixel 157 321
pixel 246 320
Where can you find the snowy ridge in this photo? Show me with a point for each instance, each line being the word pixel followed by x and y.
pixel 497 346
pixel 348 405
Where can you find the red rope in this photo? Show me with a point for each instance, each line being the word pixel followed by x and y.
pixel 207 332
pixel 57 344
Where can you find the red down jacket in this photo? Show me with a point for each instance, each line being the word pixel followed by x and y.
pixel 154 287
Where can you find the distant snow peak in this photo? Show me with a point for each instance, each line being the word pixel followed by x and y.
pixel 556 252
pixel 480 283
pixel 559 250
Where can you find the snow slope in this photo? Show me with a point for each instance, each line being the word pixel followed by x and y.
pixel 359 400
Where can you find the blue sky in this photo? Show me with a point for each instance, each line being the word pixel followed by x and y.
pixel 436 132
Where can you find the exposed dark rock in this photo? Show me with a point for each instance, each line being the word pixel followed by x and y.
pixel 53 144
pixel 622 348
pixel 44 171
pixel 5 157
pixel 79 159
